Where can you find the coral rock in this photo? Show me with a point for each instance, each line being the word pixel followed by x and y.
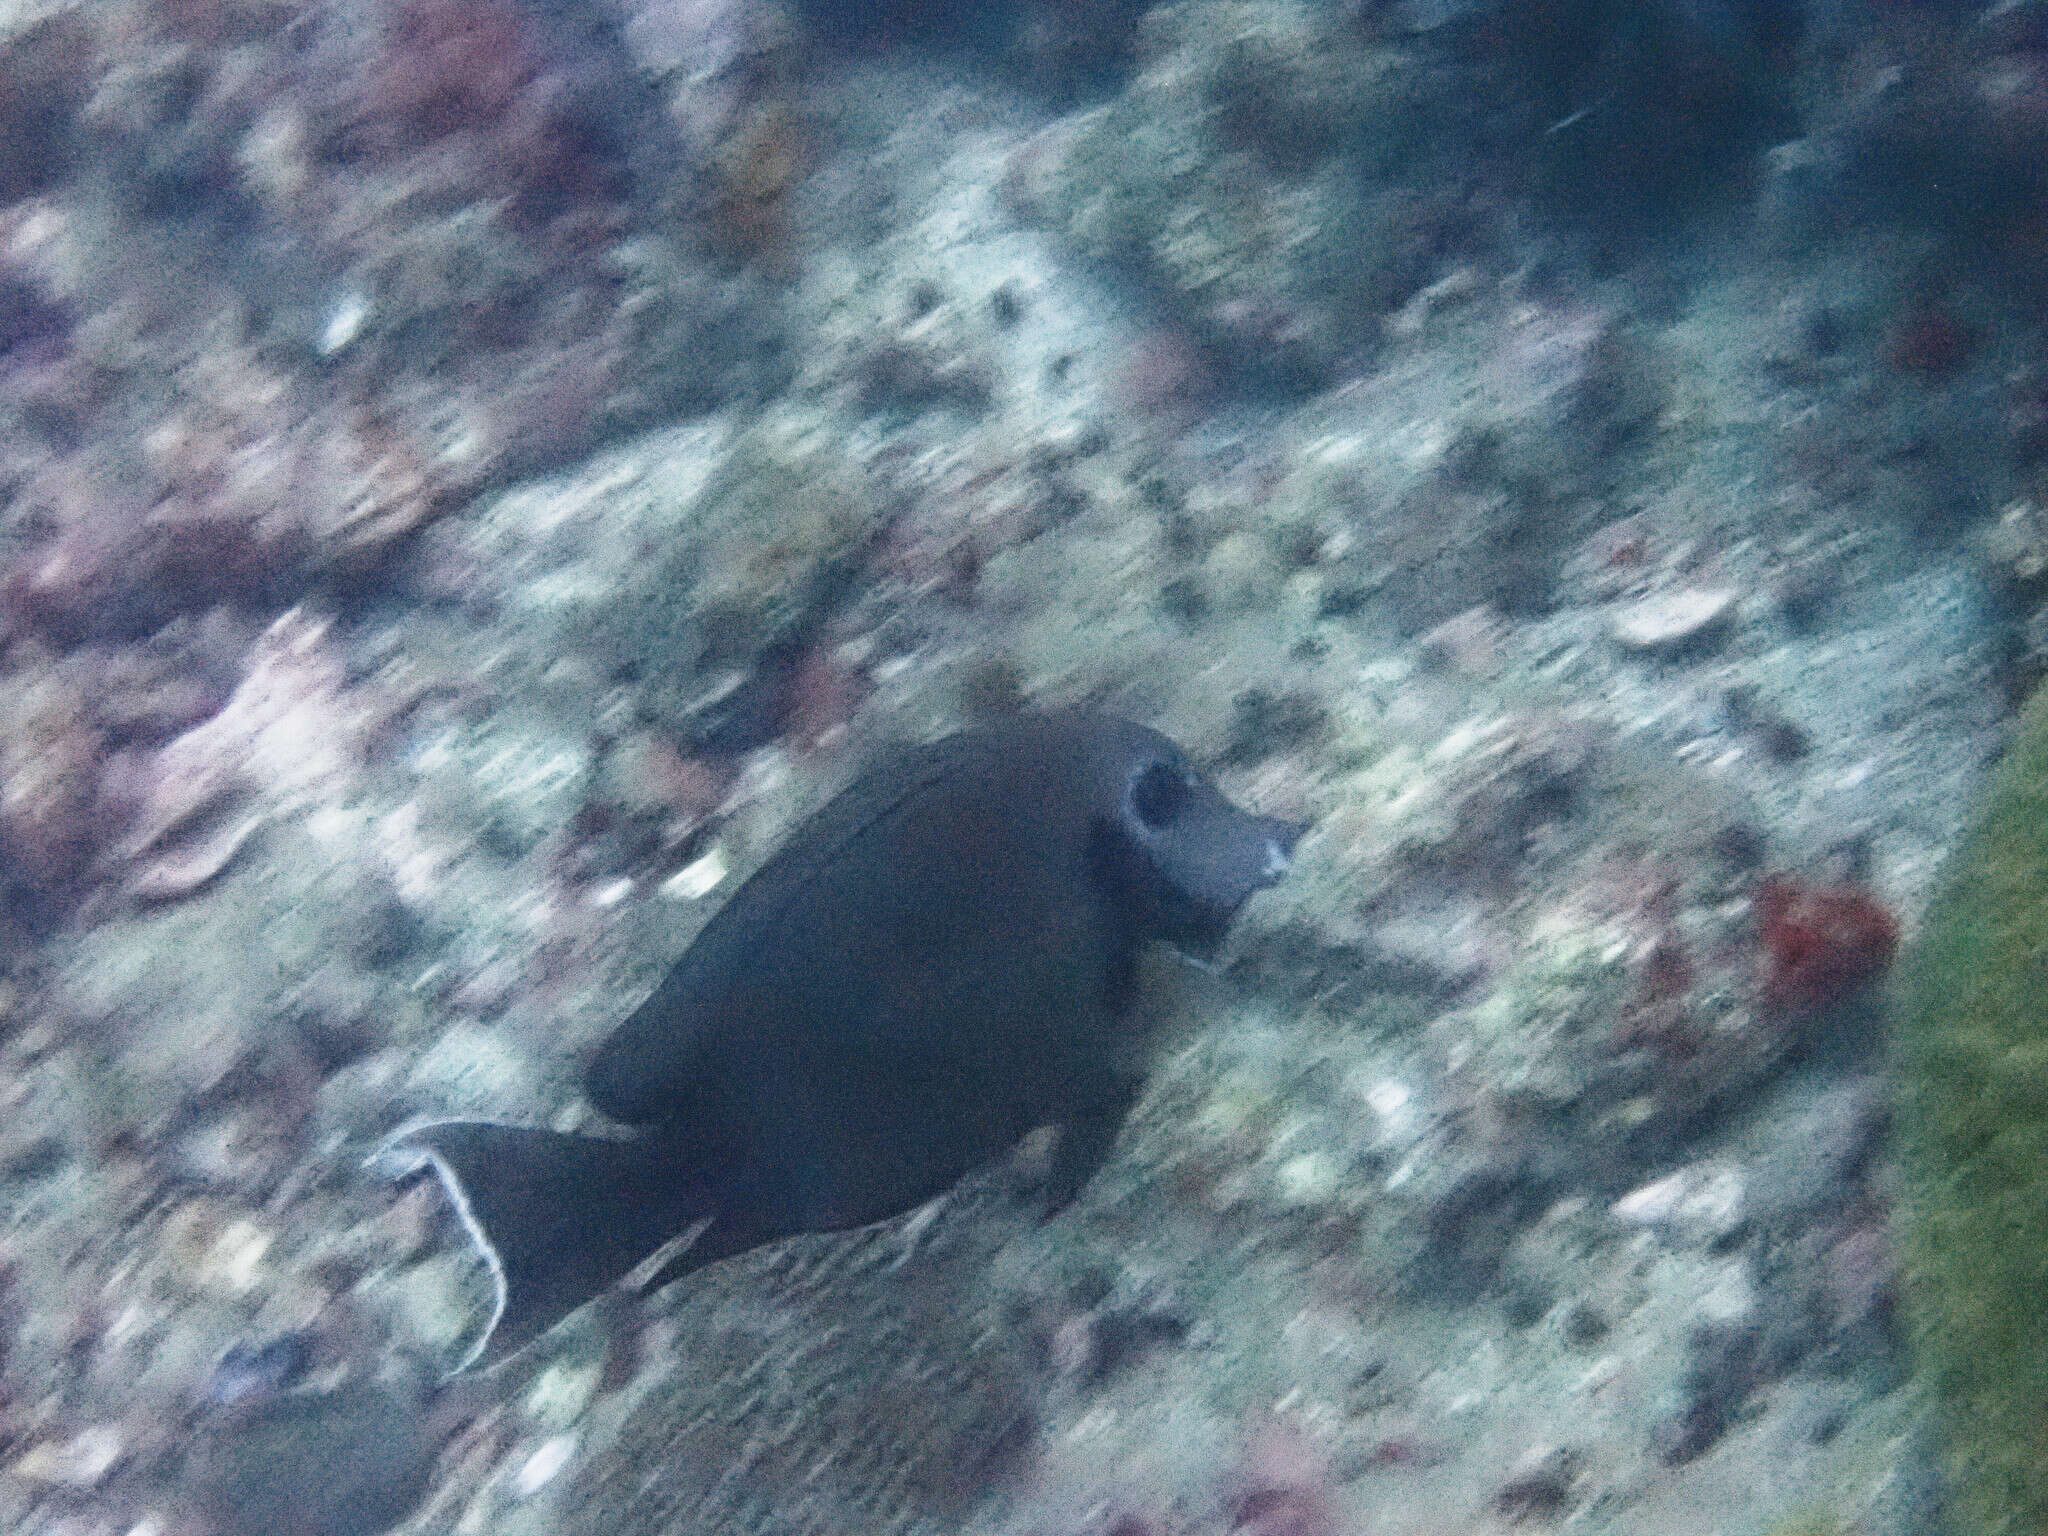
pixel 1281 1487
pixel 49 787
pixel 1673 621
pixel 1821 943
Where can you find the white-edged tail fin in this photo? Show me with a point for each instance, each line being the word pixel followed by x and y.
pixel 558 1218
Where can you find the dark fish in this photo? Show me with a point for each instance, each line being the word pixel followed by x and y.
pixel 934 965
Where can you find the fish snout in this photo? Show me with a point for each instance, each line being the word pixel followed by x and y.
pixel 1280 838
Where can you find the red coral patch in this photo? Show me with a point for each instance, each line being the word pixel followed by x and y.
pixel 1820 942
pixel 1930 342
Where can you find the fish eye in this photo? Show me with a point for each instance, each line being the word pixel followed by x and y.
pixel 1158 795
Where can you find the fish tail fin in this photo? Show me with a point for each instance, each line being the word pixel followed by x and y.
pixel 559 1219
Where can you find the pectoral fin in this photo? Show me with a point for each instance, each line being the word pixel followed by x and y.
pixel 1087 1135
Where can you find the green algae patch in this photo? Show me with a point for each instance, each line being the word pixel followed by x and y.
pixel 1972 1043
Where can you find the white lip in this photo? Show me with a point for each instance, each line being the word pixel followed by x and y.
pixel 1278 860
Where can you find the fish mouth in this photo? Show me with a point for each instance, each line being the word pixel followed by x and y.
pixel 1279 853
pixel 1203 905
pixel 1261 862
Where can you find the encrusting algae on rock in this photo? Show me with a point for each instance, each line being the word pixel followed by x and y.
pixel 1972 1042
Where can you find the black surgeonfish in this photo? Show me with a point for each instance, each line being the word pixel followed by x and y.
pixel 935 964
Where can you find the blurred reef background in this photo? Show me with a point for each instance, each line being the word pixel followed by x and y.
pixel 474 472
